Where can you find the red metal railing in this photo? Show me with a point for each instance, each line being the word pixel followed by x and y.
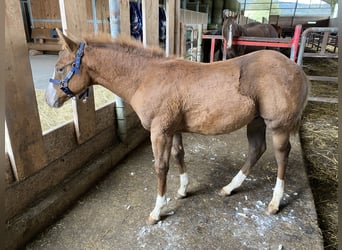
pixel 260 41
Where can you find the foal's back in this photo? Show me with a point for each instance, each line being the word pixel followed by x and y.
pixel 224 96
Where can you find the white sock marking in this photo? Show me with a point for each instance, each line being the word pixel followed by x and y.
pixel 160 202
pixel 277 193
pixel 235 183
pixel 184 181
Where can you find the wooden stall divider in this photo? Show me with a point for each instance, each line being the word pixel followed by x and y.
pixel 177 29
pixel 125 23
pixel 170 27
pixel 150 16
pixel 28 153
pixel 84 113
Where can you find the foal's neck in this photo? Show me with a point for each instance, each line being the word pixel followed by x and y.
pixel 120 72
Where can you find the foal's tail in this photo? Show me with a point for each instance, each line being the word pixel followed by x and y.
pixel 306 89
pixel 301 99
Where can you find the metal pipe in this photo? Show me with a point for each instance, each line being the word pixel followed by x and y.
pixel 199 42
pixel 114 17
pixel 93 8
pixel 295 42
pixel 30 12
pixel 303 40
pixel 114 22
pixel 191 29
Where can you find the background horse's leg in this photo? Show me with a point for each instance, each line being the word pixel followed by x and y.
pixel 256 131
pixel 178 154
pixel 282 147
pixel 161 146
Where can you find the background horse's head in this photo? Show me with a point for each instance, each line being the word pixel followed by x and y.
pixel 70 77
pixel 230 29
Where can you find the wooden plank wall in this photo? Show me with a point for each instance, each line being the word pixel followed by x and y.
pixel 150 16
pixel 102 15
pixel 45 14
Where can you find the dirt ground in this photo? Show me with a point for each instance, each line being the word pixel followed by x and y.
pixel 319 138
pixel 113 214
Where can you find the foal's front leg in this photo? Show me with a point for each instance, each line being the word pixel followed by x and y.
pixel 161 146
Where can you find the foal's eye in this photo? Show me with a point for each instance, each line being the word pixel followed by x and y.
pixel 60 70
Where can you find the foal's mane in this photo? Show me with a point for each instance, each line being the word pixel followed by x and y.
pixel 124 43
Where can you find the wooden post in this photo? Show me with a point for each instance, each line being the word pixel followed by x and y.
pixel 125 24
pixel 182 45
pixel 74 21
pixel 150 16
pixel 170 27
pixel 177 29
pixel 22 118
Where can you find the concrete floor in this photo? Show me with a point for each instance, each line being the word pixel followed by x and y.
pixel 113 214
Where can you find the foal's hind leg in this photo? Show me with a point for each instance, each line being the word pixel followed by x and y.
pixel 256 131
pixel 282 147
pixel 178 154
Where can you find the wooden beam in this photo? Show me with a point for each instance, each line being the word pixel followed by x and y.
pixel 45 46
pixel 170 27
pixel 150 16
pixel 125 23
pixel 74 21
pixel 177 29
pixel 22 117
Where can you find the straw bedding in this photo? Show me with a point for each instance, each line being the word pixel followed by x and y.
pixel 319 137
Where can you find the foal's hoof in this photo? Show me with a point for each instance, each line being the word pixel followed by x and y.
pixel 271 210
pixel 180 196
pixel 223 193
pixel 151 221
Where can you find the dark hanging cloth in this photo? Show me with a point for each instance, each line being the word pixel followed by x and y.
pixel 136 20
pixel 162 24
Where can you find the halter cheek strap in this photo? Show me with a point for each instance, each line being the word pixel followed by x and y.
pixel 75 69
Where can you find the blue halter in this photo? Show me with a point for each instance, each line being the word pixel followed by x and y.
pixel 75 69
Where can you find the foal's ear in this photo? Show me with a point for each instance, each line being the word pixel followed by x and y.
pixel 69 42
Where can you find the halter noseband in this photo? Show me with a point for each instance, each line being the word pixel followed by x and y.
pixel 75 69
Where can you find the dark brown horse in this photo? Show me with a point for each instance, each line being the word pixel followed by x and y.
pixel 231 29
pixel 262 90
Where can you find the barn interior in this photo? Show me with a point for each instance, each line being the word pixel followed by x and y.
pixel 82 176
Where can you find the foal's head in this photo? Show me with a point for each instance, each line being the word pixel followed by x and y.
pixel 70 76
